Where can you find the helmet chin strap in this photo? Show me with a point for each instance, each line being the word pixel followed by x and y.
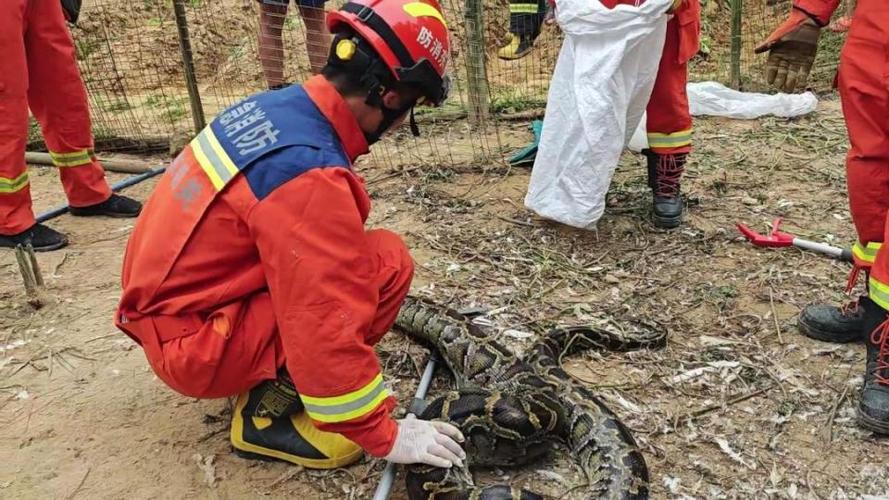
pixel 415 130
pixel 390 116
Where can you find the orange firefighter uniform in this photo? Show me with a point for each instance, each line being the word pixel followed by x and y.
pixel 864 90
pixel 669 122
pixel 38 71
pixel 252 255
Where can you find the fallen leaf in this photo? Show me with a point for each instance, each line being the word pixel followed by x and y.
pixel 672 484
pixel 517 334
pixel 552 476
pixel 734 455
pixel 206 465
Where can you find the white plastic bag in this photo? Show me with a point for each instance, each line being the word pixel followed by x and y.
pixel 715 99
pixel 598 93
pixel 639 140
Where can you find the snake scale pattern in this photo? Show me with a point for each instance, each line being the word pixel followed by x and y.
pixel 513 411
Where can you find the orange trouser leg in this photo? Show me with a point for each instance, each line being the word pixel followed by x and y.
pixel 15 194
pixel 58 100
pixel 864 90
pixel 668 118
pixel 238 346
pixel 394 279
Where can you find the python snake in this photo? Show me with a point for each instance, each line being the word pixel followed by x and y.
pixel 512 411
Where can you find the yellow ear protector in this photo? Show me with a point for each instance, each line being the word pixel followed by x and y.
pixel 345 49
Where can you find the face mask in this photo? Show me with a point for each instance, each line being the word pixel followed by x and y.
pixel 391 116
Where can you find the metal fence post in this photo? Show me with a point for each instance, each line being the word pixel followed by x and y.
pixel 736 44
pixel 477 78
pixel 194 96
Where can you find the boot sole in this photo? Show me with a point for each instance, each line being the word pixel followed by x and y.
pixel 54 246
pixel 514 57
pixel 256 456
pixel 309 463
pixel 44 248
pixel 872 424
pixel 666 222
pixel 825 336
pixel 113 215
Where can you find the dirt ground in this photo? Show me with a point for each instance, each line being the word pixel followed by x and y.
pixel 737 405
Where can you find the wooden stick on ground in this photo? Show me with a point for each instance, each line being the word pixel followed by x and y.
pixel 35 268
pixel 31 275
pixel 123 165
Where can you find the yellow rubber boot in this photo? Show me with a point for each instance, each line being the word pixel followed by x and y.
pixel 291 438
pixel 518 47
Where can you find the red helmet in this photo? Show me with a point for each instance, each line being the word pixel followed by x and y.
pixel 410 36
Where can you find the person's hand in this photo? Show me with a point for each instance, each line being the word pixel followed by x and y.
pixel 550 17
pixel 792 49
pixel 841 25
pixel 428 442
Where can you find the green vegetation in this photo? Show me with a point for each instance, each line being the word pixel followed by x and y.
pixel 173 107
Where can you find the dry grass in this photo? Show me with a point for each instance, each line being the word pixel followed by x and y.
pixel 737 405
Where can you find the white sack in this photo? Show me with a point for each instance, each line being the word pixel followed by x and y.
pixel 598 93
pixel 715 99
pixel 639 140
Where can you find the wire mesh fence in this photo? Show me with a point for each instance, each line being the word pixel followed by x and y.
pixel 131 59
pixel 755 21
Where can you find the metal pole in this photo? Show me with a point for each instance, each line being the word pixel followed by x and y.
pixel 385 486
pixel 197 109
pixel 129 181
pixel 838 253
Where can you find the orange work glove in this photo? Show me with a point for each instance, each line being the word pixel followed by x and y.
pixel 792 48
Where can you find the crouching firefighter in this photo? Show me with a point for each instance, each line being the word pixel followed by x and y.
pixel 250 272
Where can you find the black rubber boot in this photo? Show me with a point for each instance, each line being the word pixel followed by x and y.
pixel 873 408
pixel 270 423
pixel 41 237
pixel 116 206
pixel 664 172
pixel 829 323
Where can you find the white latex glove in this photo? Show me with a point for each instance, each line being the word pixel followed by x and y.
pixel 427 442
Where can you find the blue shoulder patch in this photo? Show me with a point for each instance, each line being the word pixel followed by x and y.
pixel 276 136
pixel 283 165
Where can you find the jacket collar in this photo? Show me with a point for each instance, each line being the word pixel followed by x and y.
pixel 338 113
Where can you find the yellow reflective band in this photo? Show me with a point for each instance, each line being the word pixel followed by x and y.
pixel 878 292
pixel 213 159
pixel 676 139
pixel 420 9
pixel 523 8
pixel 866 253
pixel 74 159
pixel 13 185
pixel 347 406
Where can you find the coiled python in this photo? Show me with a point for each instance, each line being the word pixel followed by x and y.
pixel 512 411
